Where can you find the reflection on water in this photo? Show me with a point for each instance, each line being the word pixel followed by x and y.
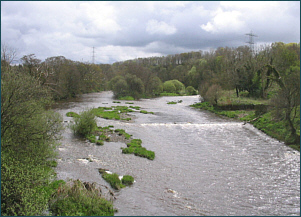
pixel 204 165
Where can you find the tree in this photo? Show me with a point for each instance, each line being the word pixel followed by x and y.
pixel 192 77
pixel 8 55
pixel 169 87
pixel 287 100
pixel 155 86
pixel 135 86
pixel 120 88
pixel 32 65
pixel 213 94
pixel 28 139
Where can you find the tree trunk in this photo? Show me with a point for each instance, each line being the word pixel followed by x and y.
pixel 237 94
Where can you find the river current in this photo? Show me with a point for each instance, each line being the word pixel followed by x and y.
pixel 204 164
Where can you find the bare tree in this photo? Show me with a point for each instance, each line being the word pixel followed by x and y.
pixel 8 55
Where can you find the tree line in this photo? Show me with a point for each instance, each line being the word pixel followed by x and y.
pixel 272 73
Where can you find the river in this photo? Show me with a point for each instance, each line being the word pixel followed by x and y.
pixel 204 164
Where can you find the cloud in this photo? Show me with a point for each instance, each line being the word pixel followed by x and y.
pixel 225 21
pixel 156 27
pixel 125 29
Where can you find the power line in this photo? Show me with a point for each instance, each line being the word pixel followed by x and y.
pixel 93 55
pixel 251 40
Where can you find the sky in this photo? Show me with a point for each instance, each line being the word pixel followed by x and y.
pixel 122 30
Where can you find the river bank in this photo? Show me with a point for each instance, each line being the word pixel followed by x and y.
pixel 258 115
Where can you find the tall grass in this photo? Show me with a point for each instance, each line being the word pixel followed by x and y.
pixel 74 199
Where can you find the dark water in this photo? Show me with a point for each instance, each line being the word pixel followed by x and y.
pixel 204 165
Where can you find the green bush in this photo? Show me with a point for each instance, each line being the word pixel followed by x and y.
pixel 180 87
pixel 52 163
pixel 191 91
pixel 29 135
pixel 75 200
pixel 169 87
pixel 85 124
pixel 52 187
pixel 127 180
pixel 20 187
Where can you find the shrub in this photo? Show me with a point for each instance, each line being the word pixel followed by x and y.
pixel 85 124
pixel 127 180
pixel 213 94
pixel 180 87
pixel 20 181
pixel 52 187
pixel 169 87
pixel 191 91
pixel 174 86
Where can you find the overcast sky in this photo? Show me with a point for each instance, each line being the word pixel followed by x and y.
pixel 127 30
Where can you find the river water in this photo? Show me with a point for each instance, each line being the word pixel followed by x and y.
pixel 204 164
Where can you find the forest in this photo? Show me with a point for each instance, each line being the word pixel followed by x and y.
pixel 30 130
